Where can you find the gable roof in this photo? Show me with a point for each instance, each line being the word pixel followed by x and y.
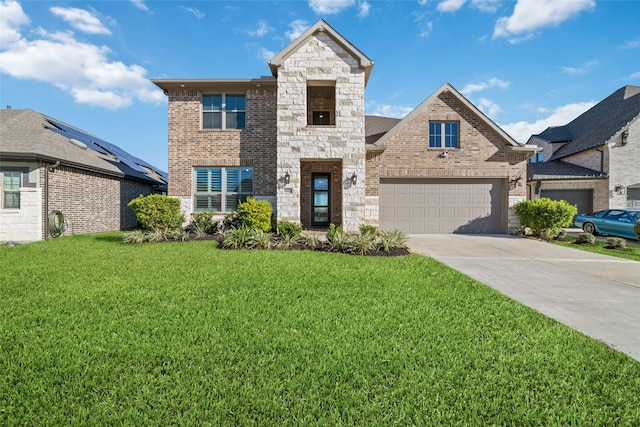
pixel 29 135
pixel 376 126
pixel 321 27
pixel 447 88
pixel 596 126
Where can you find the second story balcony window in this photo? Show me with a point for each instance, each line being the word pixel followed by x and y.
pixel 223 111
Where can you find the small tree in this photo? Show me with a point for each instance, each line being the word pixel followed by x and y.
pixel 255 214
pixel 157 213
pixel 544 216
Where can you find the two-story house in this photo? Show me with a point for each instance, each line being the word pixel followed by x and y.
pixel 300 139
pixel 594 160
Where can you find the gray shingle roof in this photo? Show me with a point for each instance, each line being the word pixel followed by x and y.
pixel 560 170
pixel 376 126
pixel 26 134
pixel 597 125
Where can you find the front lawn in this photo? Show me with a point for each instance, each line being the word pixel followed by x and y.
pixel 98 332
pixel 600 247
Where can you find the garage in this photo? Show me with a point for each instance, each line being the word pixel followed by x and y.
pixel 583 199
pixel 423 206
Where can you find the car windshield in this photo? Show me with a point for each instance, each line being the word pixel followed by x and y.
pixel 635 214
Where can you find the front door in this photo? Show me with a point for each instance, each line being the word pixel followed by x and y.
pixel 320 199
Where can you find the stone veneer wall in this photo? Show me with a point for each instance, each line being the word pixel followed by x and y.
pixel 481 154
pixel 91 202
pixel 321 58
pixel 190 146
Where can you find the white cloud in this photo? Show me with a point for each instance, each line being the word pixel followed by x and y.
pixel 521 131
pixel 265 54
pixel 423 20
pixel 634 76
pixel 81 20
pixel 195 12
pixel 386 110
pixel 582 69
pixel 84 70
pixel 477 87
pixel 363 9
pixel 489 6
pixel 262 30
pixel 450 5
pixel 631 44
pixel 11 19
pixel 531 15
pixel 330 7
pixel 140 4
pixel 298 27
pixel 488 107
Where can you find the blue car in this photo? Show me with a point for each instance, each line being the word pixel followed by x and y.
pixel 615 222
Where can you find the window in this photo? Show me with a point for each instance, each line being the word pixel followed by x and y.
pixel 220 189
pixel 223 111
pixel 443 135
pixel 11 189
pixel 537 158
pixel 321 102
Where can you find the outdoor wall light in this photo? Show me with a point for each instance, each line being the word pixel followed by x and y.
pixel 624 137
pixel 619 189
pixel 354 179
pixel 286 178
pixel 518 180
pixel 444 154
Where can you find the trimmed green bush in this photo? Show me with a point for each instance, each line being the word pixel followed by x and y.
pixel 289 229
pixel 157 212
pixel 586 238
pixel 204 222
pixel 231 221
pixel 544 216
pixel 255 214
pixel 616 242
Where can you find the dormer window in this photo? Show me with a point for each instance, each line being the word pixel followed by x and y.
pixel 321 102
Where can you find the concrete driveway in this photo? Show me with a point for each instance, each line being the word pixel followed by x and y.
pixel 597 295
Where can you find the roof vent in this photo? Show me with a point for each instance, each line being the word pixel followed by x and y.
pixel 78 143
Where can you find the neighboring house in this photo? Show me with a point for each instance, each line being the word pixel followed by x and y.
pixel 47 165
pixel 593 161
pixel 300 139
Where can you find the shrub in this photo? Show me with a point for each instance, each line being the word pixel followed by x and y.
pixel 259 239
pixel 177 234
pixel 545 216
pixel 312 241
pixel 339 241
pixel 361 243
pixel 289 229
pixel 135 236
pixel 392 239
pixel 231 221
pixel 286 241
pixel 368 229
pixel 204 222
pixel 237 238
pixel 586 238
pixel 616 243
pixel 561 235
pixel 255 214
pixel 157 212
pixel 636 229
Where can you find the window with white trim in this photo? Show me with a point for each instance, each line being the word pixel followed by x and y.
pixel 443 134
pixel 10 193
pixel 223 111
pixel 220 189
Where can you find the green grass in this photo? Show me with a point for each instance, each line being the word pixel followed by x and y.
pixel 96 332
pixel 630 252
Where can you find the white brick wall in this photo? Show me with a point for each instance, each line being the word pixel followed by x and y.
pixel 24 224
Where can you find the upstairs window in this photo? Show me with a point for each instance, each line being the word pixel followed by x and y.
pixel 537 158
pixel 10 189
pixel 220 189
pixel 321 102
pixel 223 111
pixel 443 135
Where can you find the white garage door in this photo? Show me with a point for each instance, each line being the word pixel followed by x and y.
pixel 442 205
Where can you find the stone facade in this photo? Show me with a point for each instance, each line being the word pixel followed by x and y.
pixel 321 59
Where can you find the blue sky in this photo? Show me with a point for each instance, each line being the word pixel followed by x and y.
pixel 528 64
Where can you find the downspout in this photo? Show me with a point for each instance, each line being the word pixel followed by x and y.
pixel 46 196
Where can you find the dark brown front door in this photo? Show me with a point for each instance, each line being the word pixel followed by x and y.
pixel 320 199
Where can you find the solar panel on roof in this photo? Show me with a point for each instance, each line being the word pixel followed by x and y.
pixel 104 147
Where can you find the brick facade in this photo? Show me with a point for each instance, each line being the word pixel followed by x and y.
pixel 190 145
pixel 91 202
